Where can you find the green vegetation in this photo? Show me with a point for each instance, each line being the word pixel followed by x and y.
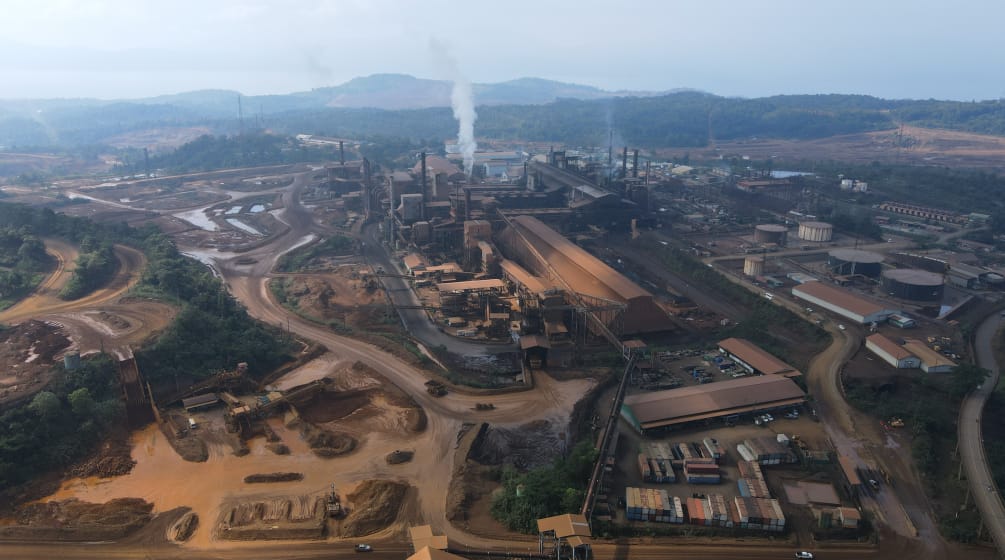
pixel 545 491
pixel 223 152
pixel 22 261
pixel 61 424
pixel 302 258
pixel 94 267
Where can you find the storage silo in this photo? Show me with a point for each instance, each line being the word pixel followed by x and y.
pixel 71 360
pixel 855 261
pixel 753 266
pixel 816 231
pixel 770 233
pixel 913 284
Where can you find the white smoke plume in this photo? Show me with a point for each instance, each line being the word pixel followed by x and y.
pixel 462 100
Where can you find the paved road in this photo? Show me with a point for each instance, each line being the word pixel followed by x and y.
pixel 982 484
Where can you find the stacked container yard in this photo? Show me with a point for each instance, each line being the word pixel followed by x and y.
pixel 687 452
pixel 719 510
pixel 648 504
pixel 715 451
pixel 751 482
pixel 698 511
pixel 760 513
pixel 645 470
pixel 660 463
pixel 701 471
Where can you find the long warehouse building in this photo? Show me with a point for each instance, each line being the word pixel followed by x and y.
pixel 846 304
pixel 588 275
pixel 754 359
pixel 672 407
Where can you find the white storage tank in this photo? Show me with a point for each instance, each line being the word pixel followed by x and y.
pixel 816 231
pixel 753 266
pixel 770 233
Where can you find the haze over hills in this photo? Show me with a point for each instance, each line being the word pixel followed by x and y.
pixel 530 109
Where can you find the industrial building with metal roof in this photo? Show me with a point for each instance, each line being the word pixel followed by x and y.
pixel 472 285
pixel 714 400
pixel 838 300
pixel 891 352
pixel 754 359
pixel 931 361
pixel 588 275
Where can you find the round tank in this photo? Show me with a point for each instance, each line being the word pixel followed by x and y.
pixel 816 231
pixel 71 360
pixel 770 233
pixel 913 284
pixel 753 266
pixel 846 262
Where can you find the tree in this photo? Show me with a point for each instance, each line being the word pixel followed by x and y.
pixel 966 378
pixel 81 402
pixel 46 405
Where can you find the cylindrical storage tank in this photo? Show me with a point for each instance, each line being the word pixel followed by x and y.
pixel 845 262
pixel 770 233
pixel 753 266
pixel 816 231
pixel 71 360
pixel 913 284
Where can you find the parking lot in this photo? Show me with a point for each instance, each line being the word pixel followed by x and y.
pixel 688 367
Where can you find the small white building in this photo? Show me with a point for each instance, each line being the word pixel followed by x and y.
pixel 891 352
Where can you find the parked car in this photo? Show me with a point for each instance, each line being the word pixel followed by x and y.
pixel 364 548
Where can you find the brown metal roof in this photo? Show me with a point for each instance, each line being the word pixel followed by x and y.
pixel 422 537
pixel 848 468
pixel 714 399
pixel 890 347
pixel 839 297
pixel 585 273
pixel 518 274
pixel 567 525
pixel 471 285
pixel 756 358
pixel 534 341
pixel 925 354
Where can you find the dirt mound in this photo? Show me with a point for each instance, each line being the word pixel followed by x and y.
pixel 529 445
pixel 278 448
pixel 76 520
pixel 325 443
pixel 285 517
pixel 115 321
pixel 376 504
pixel 183 529
pixel 27 353
pixel 398 457
pixel 273 477
pixel 328 406
pixel 113 459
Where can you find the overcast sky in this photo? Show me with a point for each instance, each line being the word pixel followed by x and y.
pixel 749 48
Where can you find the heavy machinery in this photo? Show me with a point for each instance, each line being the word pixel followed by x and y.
pixel 435 388
pixel 333 505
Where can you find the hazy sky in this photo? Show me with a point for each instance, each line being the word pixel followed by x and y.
pixel 750 48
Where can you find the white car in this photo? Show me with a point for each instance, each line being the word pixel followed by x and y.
pixel 803 555
pixel 842 328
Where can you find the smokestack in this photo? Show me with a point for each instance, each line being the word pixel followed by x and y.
pixel 467 204
pixel 635 164
pixel 610 149
pixel 648 167
pixel 366 187
pixel 624 163
pixel 146 162
pixel 341 157
pixel 422 212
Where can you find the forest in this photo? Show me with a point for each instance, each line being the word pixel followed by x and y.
pixel 23 262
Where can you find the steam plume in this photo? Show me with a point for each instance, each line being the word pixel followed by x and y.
pixel 462 101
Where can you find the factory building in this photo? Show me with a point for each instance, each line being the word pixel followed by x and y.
pixel 755 360
pixel 847 262
pixel 771 233
pixel 891 352
pixel 662 409
pixel 816 231
pixel 931 361
pixel 842 302
pixel 587 275
pixel 913 284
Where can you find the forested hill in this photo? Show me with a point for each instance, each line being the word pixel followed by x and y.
pixel 676 119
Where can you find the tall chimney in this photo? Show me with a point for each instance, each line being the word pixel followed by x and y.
pixel 467 204
pixel 341 157
pixel 422 213
pixel 610 149
pixel 624 163
pixel 635 164
pixel 367 193
pixel 648 171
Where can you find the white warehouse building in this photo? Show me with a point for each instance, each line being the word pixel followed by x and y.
pixel 891 352
pixel 846 304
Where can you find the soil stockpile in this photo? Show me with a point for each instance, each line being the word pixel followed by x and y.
pixel 273 477
pixel 375 505
pixel 289 517
pixel 182 530
pixel 328 444
pixel 112 460
pixel 74 520
pixel 398 457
